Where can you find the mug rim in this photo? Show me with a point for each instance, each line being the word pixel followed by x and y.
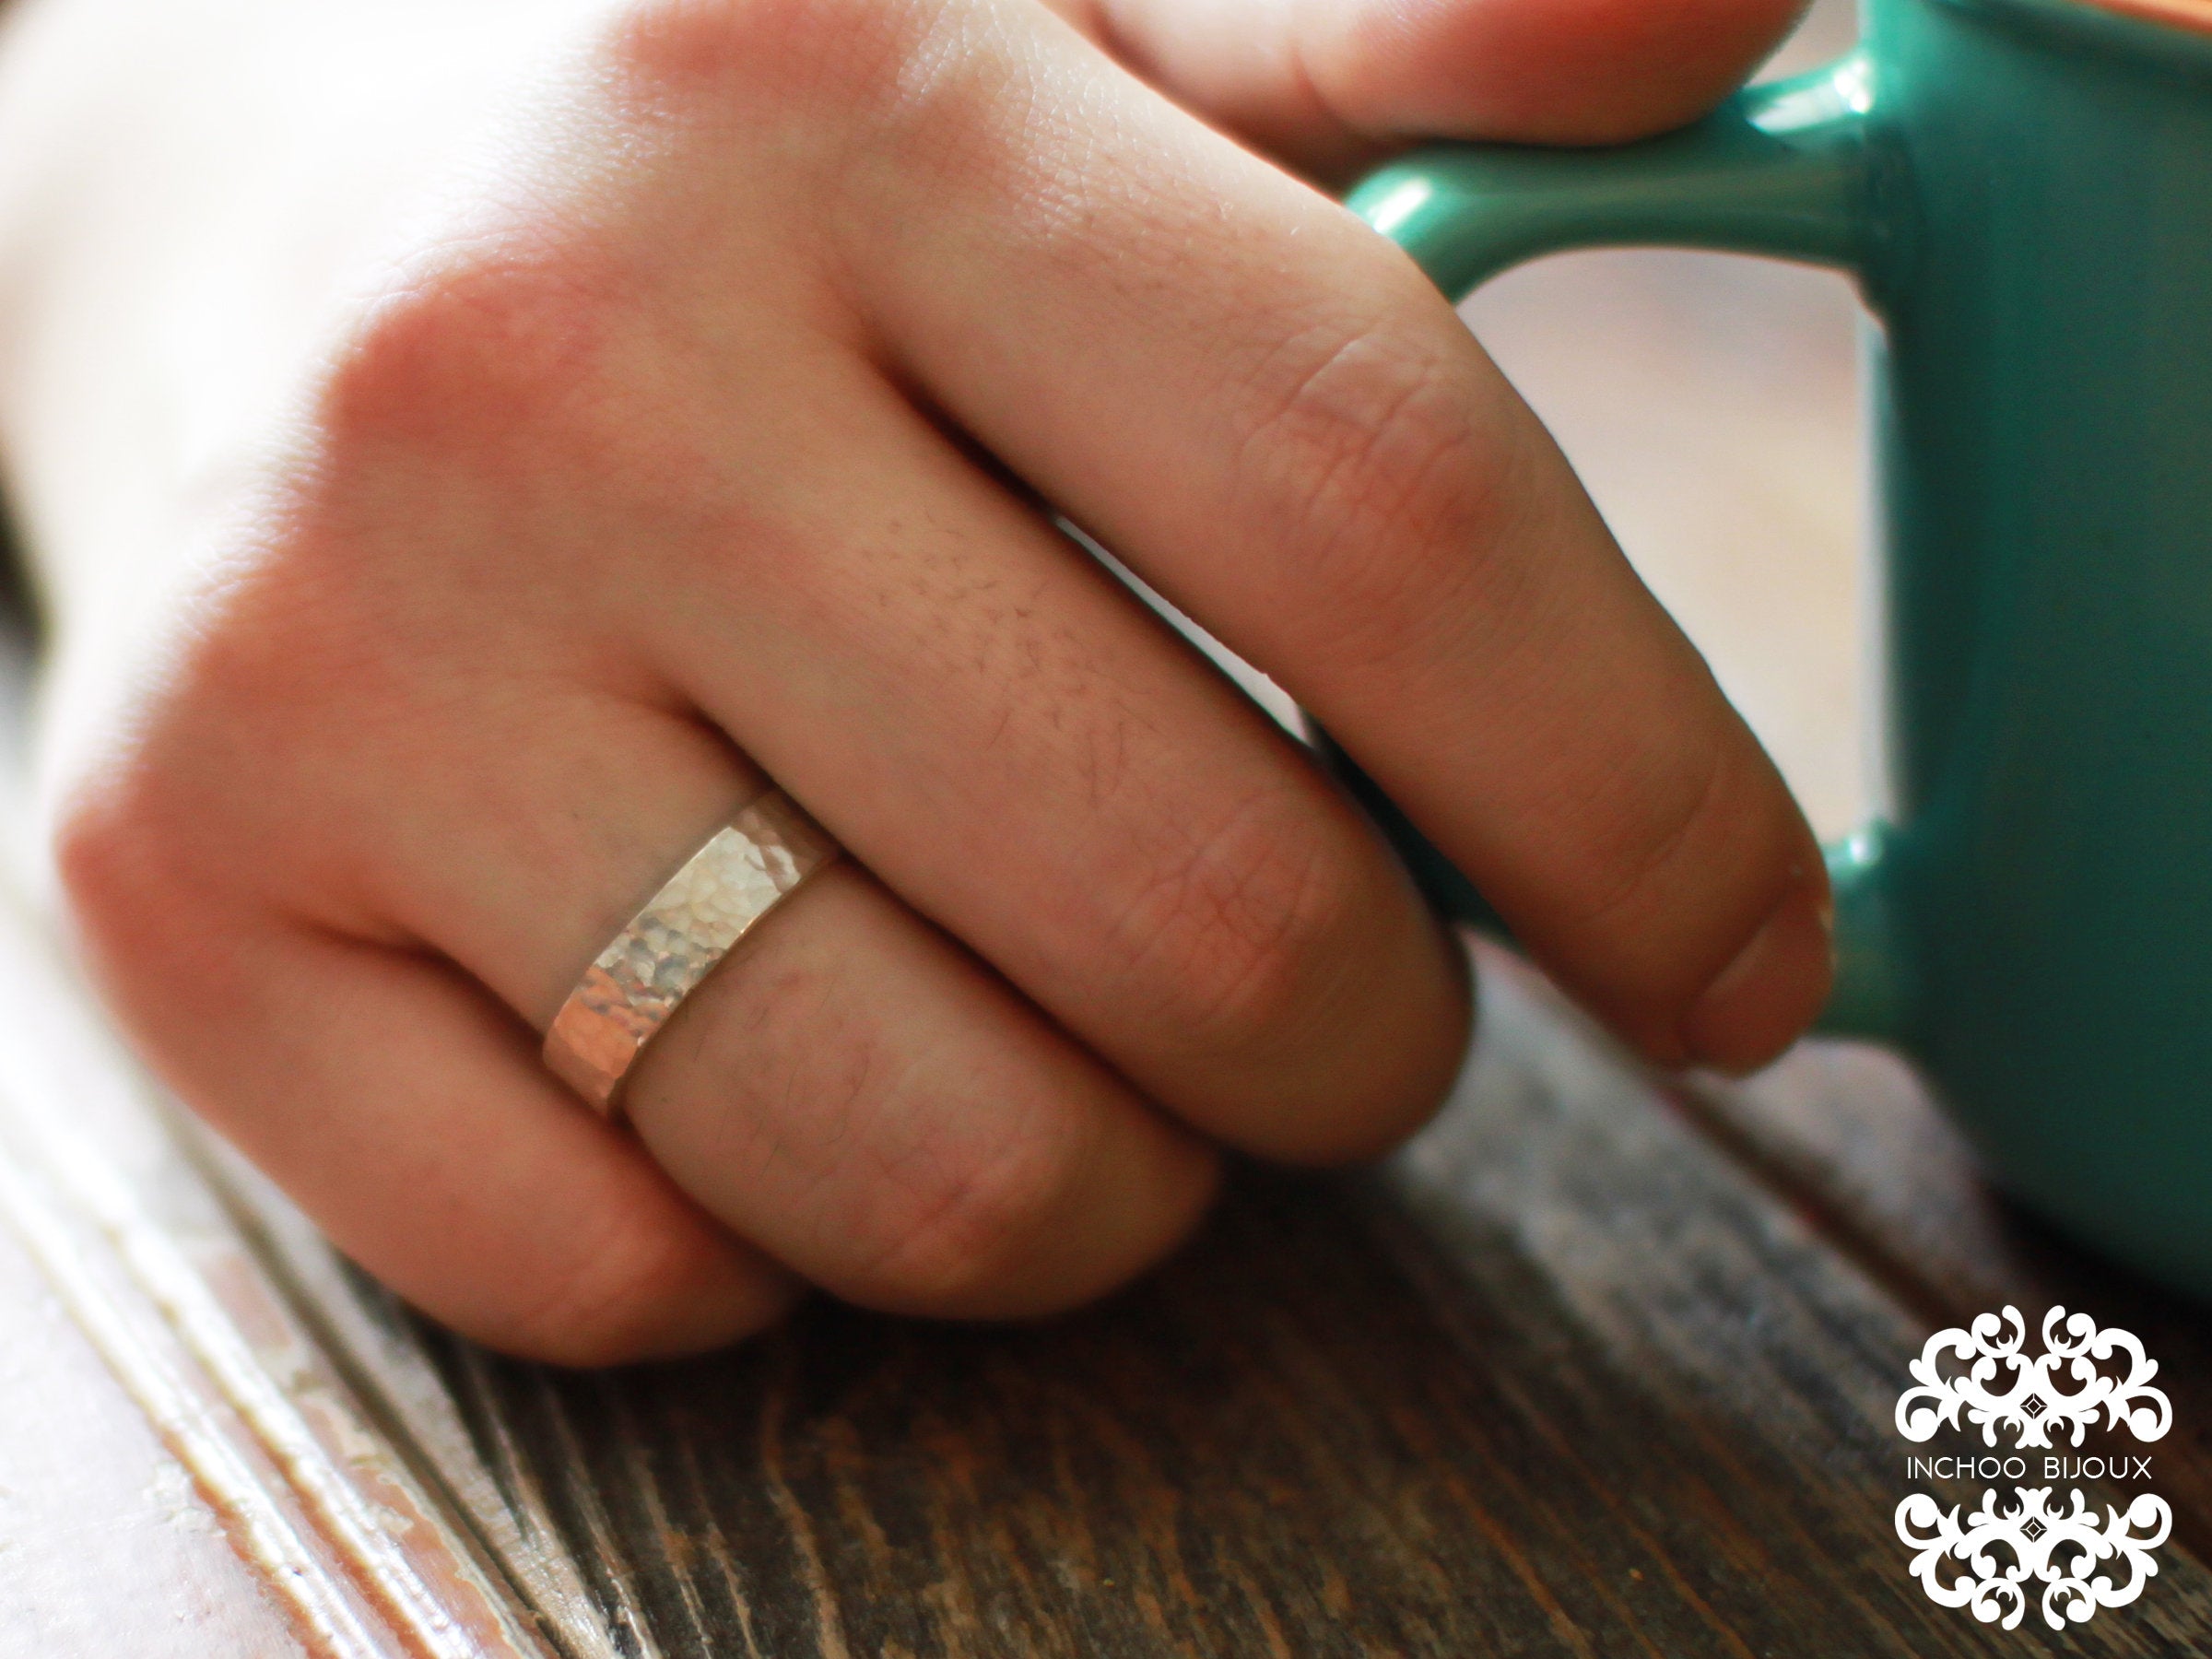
pixel 2193 17
pixel 2168 27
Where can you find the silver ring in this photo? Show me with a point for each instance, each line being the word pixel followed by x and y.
pixel 765 853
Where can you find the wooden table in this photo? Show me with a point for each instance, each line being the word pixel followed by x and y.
pixel 1597 1366
pixel 1600 1364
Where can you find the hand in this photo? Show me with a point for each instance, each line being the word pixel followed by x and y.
pixel 677 453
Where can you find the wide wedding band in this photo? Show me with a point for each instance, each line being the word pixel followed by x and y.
pixel 762 856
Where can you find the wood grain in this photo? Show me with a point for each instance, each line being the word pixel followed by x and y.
pixel 104 1546
pixel 1597 1366
pixel 264 1446
pixel 1850 1133
pixel 1560 1379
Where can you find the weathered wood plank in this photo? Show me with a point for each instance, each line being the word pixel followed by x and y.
pixel 1851 1133
pixel 328 1529
pixel 1559 1380
pixel 92 1501
pixel 1589 1371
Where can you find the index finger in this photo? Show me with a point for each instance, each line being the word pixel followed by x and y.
pixel 1330 83
pixel 1267 411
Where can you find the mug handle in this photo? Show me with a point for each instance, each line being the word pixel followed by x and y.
pixel 1785 169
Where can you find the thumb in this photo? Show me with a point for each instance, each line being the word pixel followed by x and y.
pixel 1330 85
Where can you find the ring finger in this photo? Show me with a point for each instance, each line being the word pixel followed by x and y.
pixel 848 1089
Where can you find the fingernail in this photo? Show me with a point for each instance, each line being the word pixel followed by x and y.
pixel 1768 995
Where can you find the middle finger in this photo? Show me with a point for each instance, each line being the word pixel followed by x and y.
pixel 1277 421
pixel 1023 752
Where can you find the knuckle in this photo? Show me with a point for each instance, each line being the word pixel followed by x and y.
pixel 852 97
pixel 763 56
pixel 614 1299
pixel 968 1218
pixel 262 655
pixel 1374 448
pixel 166 923
pixel 107 847
pixel 472 348
pixel 135 846
pixel 270 716
pixel 927 1173
pixel 1235 930
pixel 1680 859
pixel 1640 844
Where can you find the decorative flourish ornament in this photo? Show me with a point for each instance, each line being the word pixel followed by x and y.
pixel 1994 1560
pixel 2035 1402
pixel 2056 1550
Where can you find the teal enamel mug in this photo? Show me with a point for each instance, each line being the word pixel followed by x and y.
pixel 2023 189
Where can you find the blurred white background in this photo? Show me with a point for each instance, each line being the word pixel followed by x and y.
pixel 1711 405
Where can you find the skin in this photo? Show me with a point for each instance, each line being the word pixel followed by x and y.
pixel 448 520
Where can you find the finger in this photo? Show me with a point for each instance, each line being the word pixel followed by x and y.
pixel 1021 750
pixel 860 1099
pixel 407 1116
pixel 1331 83
pixel 1016 746
pixel 848 1088
pixel 851 1089
pixel 1288 433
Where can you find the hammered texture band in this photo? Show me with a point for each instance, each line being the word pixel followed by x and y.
pixel 763 856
